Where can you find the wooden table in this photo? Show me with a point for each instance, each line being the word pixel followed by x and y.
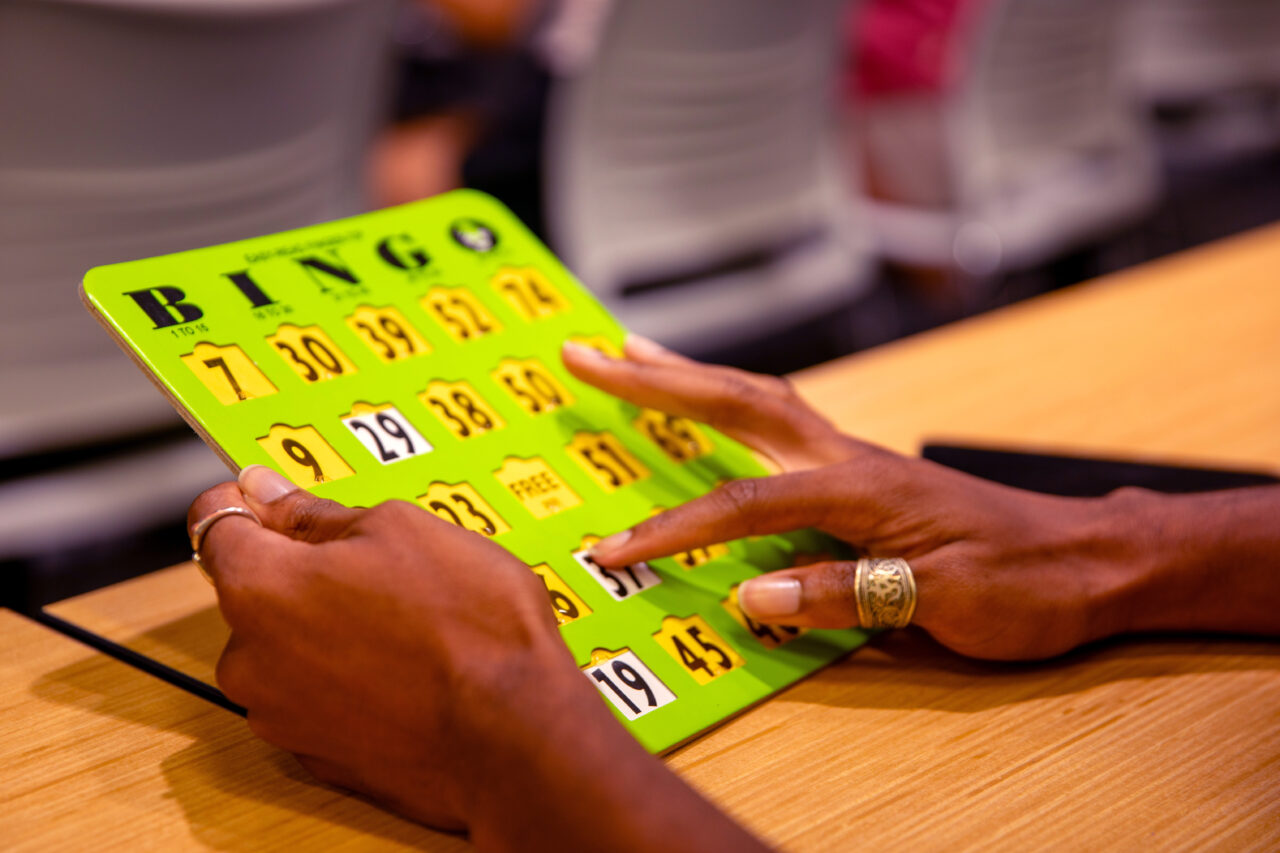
pixel 1157 743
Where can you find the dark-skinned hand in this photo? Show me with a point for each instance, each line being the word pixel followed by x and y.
pixel 419 664
pixel 1001 573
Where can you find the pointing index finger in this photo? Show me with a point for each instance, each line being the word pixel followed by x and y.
pixel 737 509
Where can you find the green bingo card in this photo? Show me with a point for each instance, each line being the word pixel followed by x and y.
pixel 413 353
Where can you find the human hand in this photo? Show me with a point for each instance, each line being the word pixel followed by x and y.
pixel 1001 573
pixel 386 648
pixel 419 663
pixel 763 412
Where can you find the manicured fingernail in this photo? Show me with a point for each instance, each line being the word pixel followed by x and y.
pixel 581 350
pixel 610 543
pixel 766 597
pixel 264 485
pixel 641 345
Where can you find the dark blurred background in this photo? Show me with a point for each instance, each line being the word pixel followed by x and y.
pixel 764 183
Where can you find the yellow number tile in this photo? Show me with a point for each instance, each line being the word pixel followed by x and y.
pixel 310 352
pixel 565 604
pixel 600 344
pixel 529 292
pixel 603 457
pixel 459 313
pixel 770 636
pixel 303 455
pixel 460 504
pixel 534 484
pixel 387 332
pixel 462 411
pixel 700 556
pixel 228 373
pixel 531 385
pixel 679 438
pixel 701 651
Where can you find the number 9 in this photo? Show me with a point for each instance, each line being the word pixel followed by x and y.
pixel 302 456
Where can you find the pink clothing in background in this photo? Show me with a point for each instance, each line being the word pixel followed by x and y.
pixel 902 46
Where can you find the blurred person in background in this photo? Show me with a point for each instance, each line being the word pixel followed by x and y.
pixel 471 99
pixel 903 64
pixel 455 58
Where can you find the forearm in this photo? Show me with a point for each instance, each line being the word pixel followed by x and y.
pixel 575 779
pixel 1206 562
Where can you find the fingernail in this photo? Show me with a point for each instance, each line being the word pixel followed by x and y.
pixel 610 543
pixel 581 350
pixel 766 597
pixel 264 485
pixel 641 345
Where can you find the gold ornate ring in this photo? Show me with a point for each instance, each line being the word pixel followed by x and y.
pixel 885 591
pixel 203 526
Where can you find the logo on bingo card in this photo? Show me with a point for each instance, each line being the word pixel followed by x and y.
pixel 473 234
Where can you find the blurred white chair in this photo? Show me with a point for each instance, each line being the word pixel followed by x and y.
pixel 138 127
pixel 1215 64
pixel 1040 145
pixel 691 180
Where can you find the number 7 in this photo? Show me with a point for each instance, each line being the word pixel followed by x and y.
pixel 231 377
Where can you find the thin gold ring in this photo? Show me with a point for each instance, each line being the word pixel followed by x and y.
pixel 203 526
pixel 885 591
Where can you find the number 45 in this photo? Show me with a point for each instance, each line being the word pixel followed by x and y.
pixel 704 654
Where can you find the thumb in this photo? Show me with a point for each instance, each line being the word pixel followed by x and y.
pixel 820 595
pixel 287 509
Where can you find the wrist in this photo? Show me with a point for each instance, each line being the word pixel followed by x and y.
pixel 1121 543
pixel 542 748
pixel 1200 562
pixel 512 716
pixel 561 772
pixel 1092 566
pixel 1212 558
